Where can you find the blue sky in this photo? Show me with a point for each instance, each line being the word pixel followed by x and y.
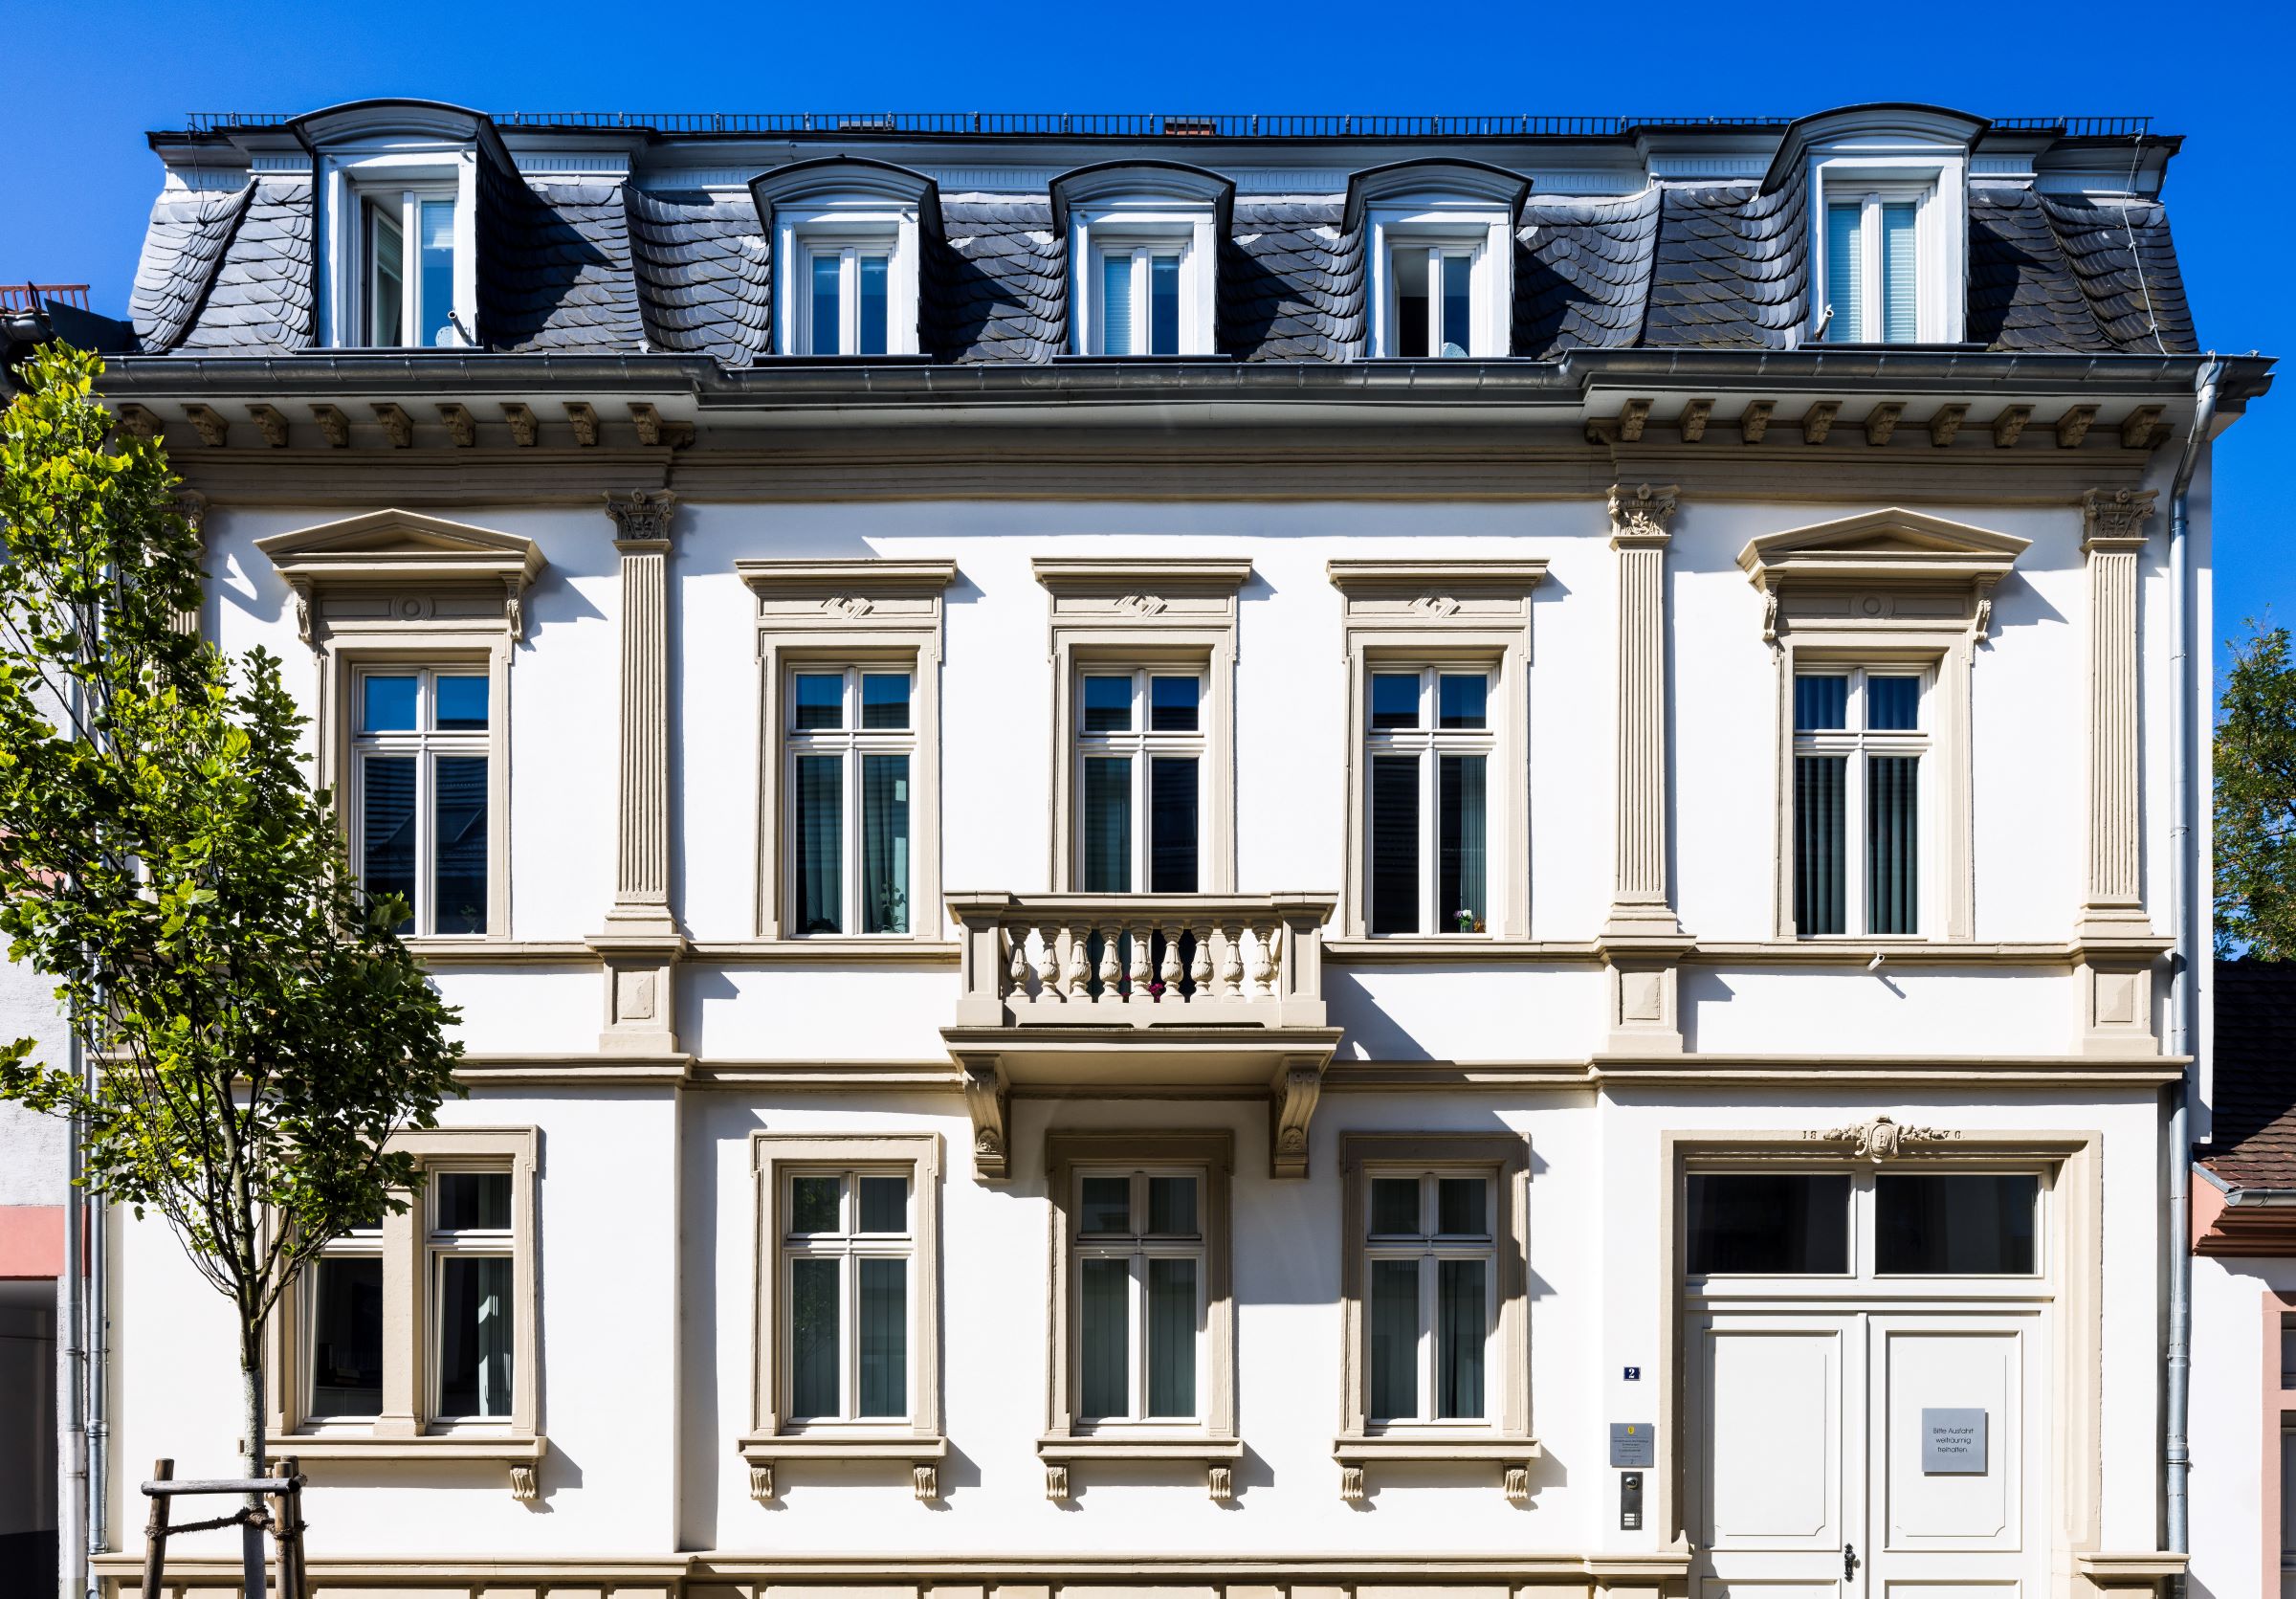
pixel 85 83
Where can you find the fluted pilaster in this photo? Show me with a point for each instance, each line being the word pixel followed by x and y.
pixel 1637 533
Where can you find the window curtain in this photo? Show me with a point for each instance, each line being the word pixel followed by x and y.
pixel 1394 868
pixel 474 1336
pixel 458 832
pixel 884 1329
pixel 820 842
pixel 1844 274
pixel 1820 784
pixel 1891 842
pixel 885 844
pixel 1103 1288
pixel 1171 1338
pixel 1172 812
pixel 386 830
pixel 1462 1314
pixel 1108 825
pixel 1394 1318
pixel 1459 890
pixel 812 1339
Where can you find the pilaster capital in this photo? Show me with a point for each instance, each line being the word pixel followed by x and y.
pixel 2115 519
pixel 642 517
pixel 1639 515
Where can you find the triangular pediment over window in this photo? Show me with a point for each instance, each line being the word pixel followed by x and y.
pixel 1880 547
pixel 412 558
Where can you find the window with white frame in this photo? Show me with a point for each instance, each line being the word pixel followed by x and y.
pixel 1430 303
pixel 847 296
pixel 1859 740
pixel 470 1247
pixel 342 1368
pixel 1429 747
pixel 1431 1295
pixel 405 268
pixel 850 741
pixel 420 746
pixel 1139 1270
pixel 1140 751
pixel 1137 311
pixel 1872 262
pixel 847 1252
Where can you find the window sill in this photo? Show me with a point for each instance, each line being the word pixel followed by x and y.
pixel 479 949
pixel 509 1449
pixel 1351 1448
pixel 831 949
pixel 761 1449
pixel 1424 947
pixel 1195 1446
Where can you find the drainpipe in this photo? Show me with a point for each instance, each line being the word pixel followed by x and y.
pixel 2175 1450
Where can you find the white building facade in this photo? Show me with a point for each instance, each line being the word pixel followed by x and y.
pixel 1196 857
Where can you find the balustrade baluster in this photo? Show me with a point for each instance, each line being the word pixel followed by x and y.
pixel 1016 970
pixel 1076 973
pixel 1263 967
pixel 1168 972
pixel 1047 965
pixel 1111 969
pixel 1200 969
pixel 1136 967
pixel 1231 960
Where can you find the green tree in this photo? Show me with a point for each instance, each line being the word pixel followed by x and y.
pixel 2256 799
pixel 256 1032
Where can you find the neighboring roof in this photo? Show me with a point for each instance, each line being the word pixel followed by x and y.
pixel 2253 1107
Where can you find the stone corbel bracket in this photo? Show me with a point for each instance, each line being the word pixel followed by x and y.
pixel 988 1101
pixel 1513 1456
pixel 1298 1085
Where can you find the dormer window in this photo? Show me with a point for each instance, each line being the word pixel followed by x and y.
pixel 849 235
pixel 1144 248
pixel 1442 256
pixel 1872 267
pixel 407 277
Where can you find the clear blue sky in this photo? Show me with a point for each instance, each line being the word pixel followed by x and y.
pixel 84 82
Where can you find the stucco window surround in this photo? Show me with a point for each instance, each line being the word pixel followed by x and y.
pixel 1503 1434
pixel 860 615
pixel 1130 616
pixel 1416 614
pixel 388 151
pixel 2069 1294
pixel 917 1440
pixel 838 203
pixel 1211 1439
pixel 1898 591
pixel 1432 208
pixel 408 1426
pixel 1119 209
pixel 1876 155
pixel 396 590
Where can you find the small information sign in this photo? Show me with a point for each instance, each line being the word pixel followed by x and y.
pixel 1633 1443
pixel 1953 1442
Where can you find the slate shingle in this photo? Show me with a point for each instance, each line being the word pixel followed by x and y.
pixel 181 248
pixel 559 278
pixel 1732 270
pixel 1291 283
pixel 262 300
pixel 1583 274
pixel 704 274
pixel 997 292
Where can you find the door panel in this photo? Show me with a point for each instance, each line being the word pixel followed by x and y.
pixel 1780 1404
pixel 1940 1504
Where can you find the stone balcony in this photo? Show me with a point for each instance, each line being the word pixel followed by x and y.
pixel 1131 992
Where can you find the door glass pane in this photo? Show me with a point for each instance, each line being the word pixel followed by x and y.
pixel 1171 1338
pixel 388 704
pixel 885 843
pixel 1172 704
pixel 873 305
pixel 1821 893
pixel 1892 704
pixel 884 1354
pixel 1844 274
pixel 1770 1224
pixel 1394 844
pixel 1394 1207
pixel 346 1337
pixel 386 832
pixel 1104 1205
pixel 1410 302
pixel 1102 1338
pixel 884 698
pixel 1461 1207
pixel 1456 272
pixel 1394 700
pixel 1163 304
pixel 1108 825
pixel 461 704
pixel 1172 1207
pixel 436 220
pixel 1460 845
pixel 1901 307
pixel 1892 844
pixel 1108 704
pixel 458 884
pixel 819 700
pixel 814 1204
pixel 1461 1321
pixel 473 1201
pixel 820 828
pixel 884 1204
pixel 474 1336
pixel 1116 303
pixel 1821 703
pixel 1393 1315
pixel 1172 809
pixel 1460 698
pixel 1965 1224
pixel 827 320
pixel 812 1339
pixel 386 276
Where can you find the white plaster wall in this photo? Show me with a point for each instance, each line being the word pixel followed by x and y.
pixel 2232 1525
pixel 32 1148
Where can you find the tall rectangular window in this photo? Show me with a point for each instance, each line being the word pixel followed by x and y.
pixel 849 744
pixel 343 1303
pixel 420 752
pixel 405 281
pixel 1857 748
pixel 1137 1248
pixel 845 297
pixel 847 1251
pixel 473 1328
pixel 1139 748
pixel 1139 302
pixel 1872 270
pixel 1431 1275
pixel 1432 302
pixel 1429 747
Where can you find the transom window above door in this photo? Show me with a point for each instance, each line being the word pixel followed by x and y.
pixel 1858 741
pixel 1428 741
pixel 1763 1224
pixel 1139 744
pixel 849 744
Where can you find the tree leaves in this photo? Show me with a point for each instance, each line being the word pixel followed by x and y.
pixel 2255 800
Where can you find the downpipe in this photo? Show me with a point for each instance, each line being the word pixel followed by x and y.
pixel 2175 1439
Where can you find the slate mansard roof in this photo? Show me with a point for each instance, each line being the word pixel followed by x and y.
pixel 664 258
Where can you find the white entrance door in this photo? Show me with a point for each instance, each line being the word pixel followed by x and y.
pixel 1863 1454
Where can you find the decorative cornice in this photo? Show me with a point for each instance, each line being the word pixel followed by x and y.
pixel 1139 581
pixel 642 517
pixel 1639 515
pixel 2115 517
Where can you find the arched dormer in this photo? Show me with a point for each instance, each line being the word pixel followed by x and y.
pixel 1888 202
pixel 398 191
pixel 848 238
pixel 1143 241
pixel 1440 247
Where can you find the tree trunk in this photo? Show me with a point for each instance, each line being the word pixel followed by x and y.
pixel 251 1399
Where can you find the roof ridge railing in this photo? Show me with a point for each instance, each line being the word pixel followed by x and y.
pixel 1129 125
